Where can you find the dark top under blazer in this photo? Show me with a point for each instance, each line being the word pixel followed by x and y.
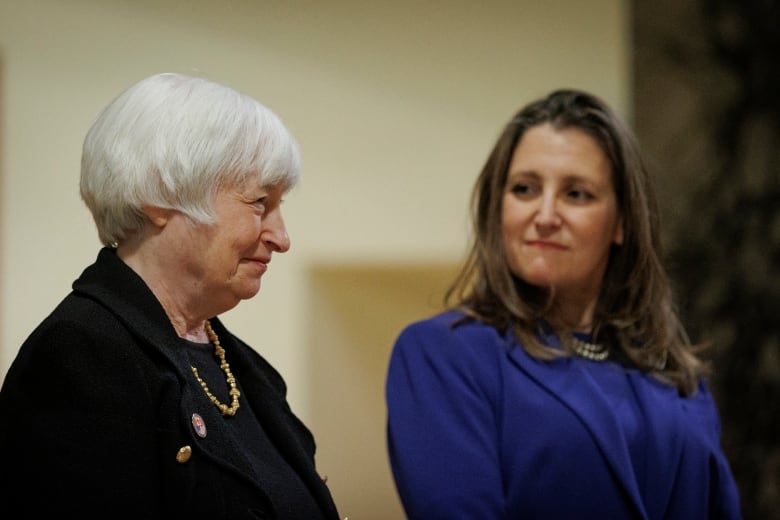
pixel 98 403
pixel 479 429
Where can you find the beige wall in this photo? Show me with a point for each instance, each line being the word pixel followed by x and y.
pixel 395 105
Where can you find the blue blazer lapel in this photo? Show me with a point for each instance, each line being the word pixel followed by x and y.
pixel 574 387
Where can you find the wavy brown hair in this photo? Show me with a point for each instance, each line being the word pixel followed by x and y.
pixel 635 316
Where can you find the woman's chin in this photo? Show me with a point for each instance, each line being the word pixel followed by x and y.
pixel 248 289
pixel 539 278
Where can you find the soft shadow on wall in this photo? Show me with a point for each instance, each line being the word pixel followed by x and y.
pixel 353 317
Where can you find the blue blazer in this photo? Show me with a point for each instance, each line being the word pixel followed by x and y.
pixel 479 429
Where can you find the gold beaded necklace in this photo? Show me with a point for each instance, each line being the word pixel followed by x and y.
pixel 231 381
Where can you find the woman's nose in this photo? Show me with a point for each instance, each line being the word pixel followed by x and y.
pixel 547 212
pixel 275 233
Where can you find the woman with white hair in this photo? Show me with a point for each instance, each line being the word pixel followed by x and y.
pixel 132 399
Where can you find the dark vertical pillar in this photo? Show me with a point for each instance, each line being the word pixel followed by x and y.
pixel 707 110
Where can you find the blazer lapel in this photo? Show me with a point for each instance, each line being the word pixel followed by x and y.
pixel 290 436
pixel 574 388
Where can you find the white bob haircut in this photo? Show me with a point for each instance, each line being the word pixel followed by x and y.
pixel 171 141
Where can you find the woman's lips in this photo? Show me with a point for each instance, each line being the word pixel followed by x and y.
pixel 545 244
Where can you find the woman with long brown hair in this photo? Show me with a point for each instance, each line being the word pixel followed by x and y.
pixel 560 382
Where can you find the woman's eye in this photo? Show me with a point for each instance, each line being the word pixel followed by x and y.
pixel 260 204
pixel 521 189
pixel 580 195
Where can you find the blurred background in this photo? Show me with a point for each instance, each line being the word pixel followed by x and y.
pixel 707 110
pixel 396 105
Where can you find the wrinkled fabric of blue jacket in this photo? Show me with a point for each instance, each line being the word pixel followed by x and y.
pixel 478 429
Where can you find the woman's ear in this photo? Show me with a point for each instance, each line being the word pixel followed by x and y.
pixel 159 217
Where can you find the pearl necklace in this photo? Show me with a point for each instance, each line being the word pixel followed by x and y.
pixel 231 381
pixel 587 350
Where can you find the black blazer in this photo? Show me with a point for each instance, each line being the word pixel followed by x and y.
pixel 96 416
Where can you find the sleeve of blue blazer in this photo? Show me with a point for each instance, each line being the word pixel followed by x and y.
pixel 441 428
